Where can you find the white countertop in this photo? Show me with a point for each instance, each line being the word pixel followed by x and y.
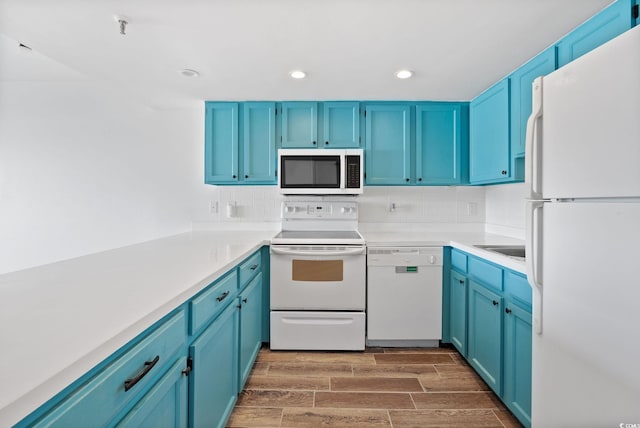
pixel 58 321
pixel 464 241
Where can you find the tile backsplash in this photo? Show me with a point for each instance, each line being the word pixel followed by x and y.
pixel 383 204
pixel 422 205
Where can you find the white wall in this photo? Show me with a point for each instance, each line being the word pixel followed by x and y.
pixel 83 170
pixel 506 209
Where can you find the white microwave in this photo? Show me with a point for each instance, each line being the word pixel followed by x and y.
pixel 320 171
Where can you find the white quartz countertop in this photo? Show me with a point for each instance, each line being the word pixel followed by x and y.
pixel 464 241
pixel 59 320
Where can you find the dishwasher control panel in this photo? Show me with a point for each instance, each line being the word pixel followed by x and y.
pixel 404 256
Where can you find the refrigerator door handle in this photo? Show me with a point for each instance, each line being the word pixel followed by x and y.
pixel 533 251
pixel 532 152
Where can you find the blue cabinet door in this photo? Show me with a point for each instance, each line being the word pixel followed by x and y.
pixel 458 311
pixel 388 144
pixel 484 347
pixel 250 326
pixel 517 361
pixel 213 385
pixel 221 143
pixel 521 80
pixel 299 124
pixel 602 27
pixel 439 144
pixel 341 124
pixel 489 152
pixel 259 142
pixel 165 405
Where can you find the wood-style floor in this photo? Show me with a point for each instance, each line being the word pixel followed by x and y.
pixel 390 387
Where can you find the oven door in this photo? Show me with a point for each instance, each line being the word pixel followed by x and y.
pixel 318 277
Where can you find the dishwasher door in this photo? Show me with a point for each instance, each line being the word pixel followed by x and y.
pixel 404 296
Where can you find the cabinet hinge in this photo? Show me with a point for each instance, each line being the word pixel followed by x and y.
pixel 635 11
pixel 189 367
pixel 365 113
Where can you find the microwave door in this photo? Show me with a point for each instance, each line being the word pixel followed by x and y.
pixel 297 172
pixel 308 172
pixel 328 172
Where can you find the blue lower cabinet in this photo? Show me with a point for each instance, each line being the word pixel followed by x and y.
pixel 517 361
pixel 490 324
pixel 213 383
pixel 250 327
pixel 165 405
pixel 484 348
pixel 184 371
pixel 117 388
pixel 458 311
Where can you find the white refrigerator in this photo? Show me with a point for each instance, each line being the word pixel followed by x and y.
pixel 583 239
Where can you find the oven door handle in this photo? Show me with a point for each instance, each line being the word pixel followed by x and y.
pixel 287 252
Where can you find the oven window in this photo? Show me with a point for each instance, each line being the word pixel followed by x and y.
pixel 311 171
pixel 316 270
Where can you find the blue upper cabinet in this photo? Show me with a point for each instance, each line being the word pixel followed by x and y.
pixel 341 124
pixel 221 143
pixel 489 149
pixel 521 80
pixel 299 124
pixel 388 144
pixel 240 143
pixel 602 27
pixel 441 144
pixel 259 142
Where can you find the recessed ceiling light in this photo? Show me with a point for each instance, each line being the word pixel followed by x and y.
pixel 189 73
pixel 298 74
pixel 404 74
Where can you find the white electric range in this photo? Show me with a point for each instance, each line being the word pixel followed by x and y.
pixel 318 277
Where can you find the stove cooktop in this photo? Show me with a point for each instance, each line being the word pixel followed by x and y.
pixel 326 237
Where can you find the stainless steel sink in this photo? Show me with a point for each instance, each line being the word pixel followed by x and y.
pixel 515 251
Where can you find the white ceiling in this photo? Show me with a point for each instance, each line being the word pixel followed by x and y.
pixel 244 49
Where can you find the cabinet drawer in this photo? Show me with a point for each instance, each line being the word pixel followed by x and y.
pixel 208 304
pixel 459 260
pixel 486 273
pixel 517 286
pixel 249 268
pixel 104 396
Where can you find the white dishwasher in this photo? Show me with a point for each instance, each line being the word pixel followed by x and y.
pixel 404 296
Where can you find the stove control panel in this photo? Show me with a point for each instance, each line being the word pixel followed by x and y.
pixel 326 210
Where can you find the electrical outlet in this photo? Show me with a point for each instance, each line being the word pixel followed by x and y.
pixel 213 207
pixel 472 209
